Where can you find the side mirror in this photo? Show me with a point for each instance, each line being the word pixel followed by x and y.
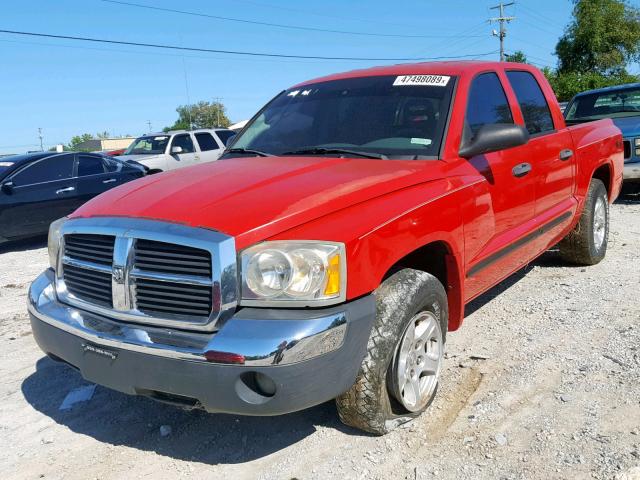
pixel 7 187
pixel 494 137
pixel 176 149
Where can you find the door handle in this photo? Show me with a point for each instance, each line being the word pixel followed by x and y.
pixel 111 180
pixel 521 169
pixel 566 154
pixel 64 190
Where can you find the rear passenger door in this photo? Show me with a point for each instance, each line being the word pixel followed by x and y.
pixel 93 178
pixel 182 151
pixel 552 159
pixel 210 149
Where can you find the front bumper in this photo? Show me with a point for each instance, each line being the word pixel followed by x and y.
pixel 631 172
pixel 307 356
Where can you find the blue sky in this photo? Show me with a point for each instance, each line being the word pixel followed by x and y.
pixel 69 88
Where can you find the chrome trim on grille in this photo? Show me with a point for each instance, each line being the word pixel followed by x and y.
pixel 222 281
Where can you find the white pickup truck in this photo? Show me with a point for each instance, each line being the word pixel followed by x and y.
pixel 164 151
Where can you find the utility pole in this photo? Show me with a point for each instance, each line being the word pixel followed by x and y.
pixel 149 123
pixel 218 107
pixel 40 136
pixel 502 20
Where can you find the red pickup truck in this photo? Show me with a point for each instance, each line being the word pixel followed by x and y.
pixel 334 245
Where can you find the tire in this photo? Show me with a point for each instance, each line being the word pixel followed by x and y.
pixel 587 242
pixel 376 402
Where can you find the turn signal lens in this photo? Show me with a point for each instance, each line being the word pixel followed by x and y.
pixel 333 276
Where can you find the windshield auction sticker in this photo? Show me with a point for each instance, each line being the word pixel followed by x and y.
pixel 422 80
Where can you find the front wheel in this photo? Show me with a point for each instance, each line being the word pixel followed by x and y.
pixel 587 243
pixel 398 378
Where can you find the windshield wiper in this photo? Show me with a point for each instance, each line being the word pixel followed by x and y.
pixel 248 151
pixel 322 151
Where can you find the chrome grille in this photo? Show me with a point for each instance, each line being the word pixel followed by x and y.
pixel 89 285
pixel 152 256
pixel 154 297
pixel 90 248
pixel 147 271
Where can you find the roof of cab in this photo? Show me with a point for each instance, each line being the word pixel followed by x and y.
pixel 612 88
pixel 453 68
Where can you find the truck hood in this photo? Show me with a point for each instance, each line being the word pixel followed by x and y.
pixel 139 158
pixel 630 126
pixel 256 198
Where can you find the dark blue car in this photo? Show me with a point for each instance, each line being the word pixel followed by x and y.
pixel 38 188
pixel 622 105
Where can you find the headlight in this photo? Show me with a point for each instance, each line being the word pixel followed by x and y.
pixel 54 241
pixel 293 273
pixel 637 142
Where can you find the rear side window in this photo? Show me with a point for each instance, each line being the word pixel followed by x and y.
pixel 206 142
pixel 47 170
pixel 183 141
pixel 535 110
pixel 225 135
pixel 89 166
pixel 487 104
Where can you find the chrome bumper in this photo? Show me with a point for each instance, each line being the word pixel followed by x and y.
pixel 259 337
pixel 631 171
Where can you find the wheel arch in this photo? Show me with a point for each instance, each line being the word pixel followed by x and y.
pixel 438 259
pixel 603 173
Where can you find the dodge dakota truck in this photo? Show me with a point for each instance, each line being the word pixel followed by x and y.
pixel 334 245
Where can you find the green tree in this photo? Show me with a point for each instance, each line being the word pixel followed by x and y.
pixel 518 56
pixel 200 115
pixel 603 37
pixel 566 85
pixel 102 135
pixel 77 140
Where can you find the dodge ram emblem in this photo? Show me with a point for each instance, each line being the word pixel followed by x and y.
pixel 118 274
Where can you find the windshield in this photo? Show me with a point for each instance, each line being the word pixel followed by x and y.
pixel 609 104
pixel 399 117
pixel 148 145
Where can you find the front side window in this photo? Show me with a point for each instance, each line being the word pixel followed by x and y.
pixel 534 107
pixel 624 102
pixel 487 104
pixel 47 170
pixel 89 166
pixel 401 117
pixel 183 141
pixel 148 145
pixel 206 142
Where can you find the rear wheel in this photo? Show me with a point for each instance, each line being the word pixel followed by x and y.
pixel 399 375
pixel 587 242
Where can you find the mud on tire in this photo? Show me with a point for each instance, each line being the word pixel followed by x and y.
pixel 369 404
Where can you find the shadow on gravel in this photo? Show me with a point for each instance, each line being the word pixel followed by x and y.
pixel 630 195
pixel 550 258
pixel 119 419
pixel 23 245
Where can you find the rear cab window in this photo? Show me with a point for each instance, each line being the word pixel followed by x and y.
pixel 487 104
pixel 533 104
pixel 225 135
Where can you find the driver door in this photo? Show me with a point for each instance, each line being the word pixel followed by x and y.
pixel 182 152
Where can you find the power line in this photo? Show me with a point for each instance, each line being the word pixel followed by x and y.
pixel 268 24
pixel 232 52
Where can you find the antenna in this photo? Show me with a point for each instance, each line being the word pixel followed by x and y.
pixel 40 136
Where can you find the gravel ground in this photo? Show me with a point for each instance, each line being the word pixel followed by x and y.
pixel 542 381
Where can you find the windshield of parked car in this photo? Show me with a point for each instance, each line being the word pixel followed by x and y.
pixel 400 117
pixel 607 104
pixel 148 145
